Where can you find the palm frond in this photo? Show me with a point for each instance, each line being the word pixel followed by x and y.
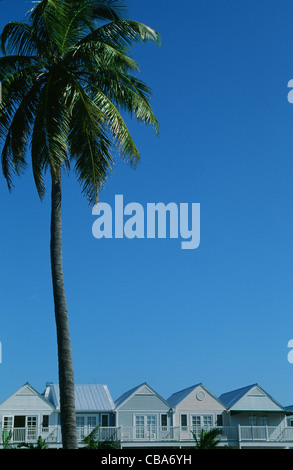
pixel 118 129
pixel 96 55
pixel 123 33
pixel 207 439
pixel 111 10
pixel 98 10
pixel 17 139
pixel 17 38
pixel 131 95
pixel 48 20
pixel 89 145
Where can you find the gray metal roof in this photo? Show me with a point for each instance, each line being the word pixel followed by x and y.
pixel 89 397
pixel 127 394
pixel 131 392
pixel 177 397
pixel 230 398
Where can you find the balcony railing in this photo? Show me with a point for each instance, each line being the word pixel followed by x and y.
pixel 52 434
pixel 31 434
pixel 265 434
pixel 103 434
pixel 151 434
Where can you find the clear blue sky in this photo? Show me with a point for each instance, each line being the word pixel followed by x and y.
pixel 145 310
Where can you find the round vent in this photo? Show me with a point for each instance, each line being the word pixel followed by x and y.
pixel 200 395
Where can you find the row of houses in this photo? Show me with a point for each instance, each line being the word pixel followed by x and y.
pixel 140 418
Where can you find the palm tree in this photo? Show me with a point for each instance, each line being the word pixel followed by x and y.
pixel 41 444
pixel 207 439
pixel 67 78
pixel 6 438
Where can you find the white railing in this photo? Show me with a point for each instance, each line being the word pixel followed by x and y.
pixel 148 434
pixel 230 434
pixel 102 434
pixel 30 434
pixel 265 433
pixel 52 434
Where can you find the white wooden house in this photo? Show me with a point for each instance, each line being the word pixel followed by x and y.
pixel 94 407
pixel 144 417
pixel 261 421
pixel 248 417
pixel 195 408
pixel 27 415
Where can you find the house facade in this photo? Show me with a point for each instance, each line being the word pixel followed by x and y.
pixel 94 407
pixel 195 408
pixel 144 418
pixel 27 414
pixel 259 419
pixel 141 418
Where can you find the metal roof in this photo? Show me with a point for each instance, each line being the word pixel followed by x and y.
pixel 125 396
pixel 91 397
pixel 177 397
pixel 230 398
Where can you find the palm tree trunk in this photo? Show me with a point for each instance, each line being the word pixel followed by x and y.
pixel 66 375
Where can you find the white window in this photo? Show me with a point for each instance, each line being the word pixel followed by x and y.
pixel 145 426
pixel 31 427
pixel 80 421
pixel 200 422
pixel 262 421
pixel 8 422
pixel 7 427
pixel 196 424
pixel 258 420
pixel 80 427
pixel 92 421
pixel 151 421
pixel 139 426
pixel 208 421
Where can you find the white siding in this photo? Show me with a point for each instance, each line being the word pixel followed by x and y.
pixel 256 400
pixel 144 402
pixel 27 401
pixel 198 402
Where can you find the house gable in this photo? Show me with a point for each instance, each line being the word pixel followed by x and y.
pixel 144 390
pixel 142 397
pixel 252 398
pixel 195 398
pixel 26 399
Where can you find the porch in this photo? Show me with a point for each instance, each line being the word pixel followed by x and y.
pixel 52 435
pixel 146 436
